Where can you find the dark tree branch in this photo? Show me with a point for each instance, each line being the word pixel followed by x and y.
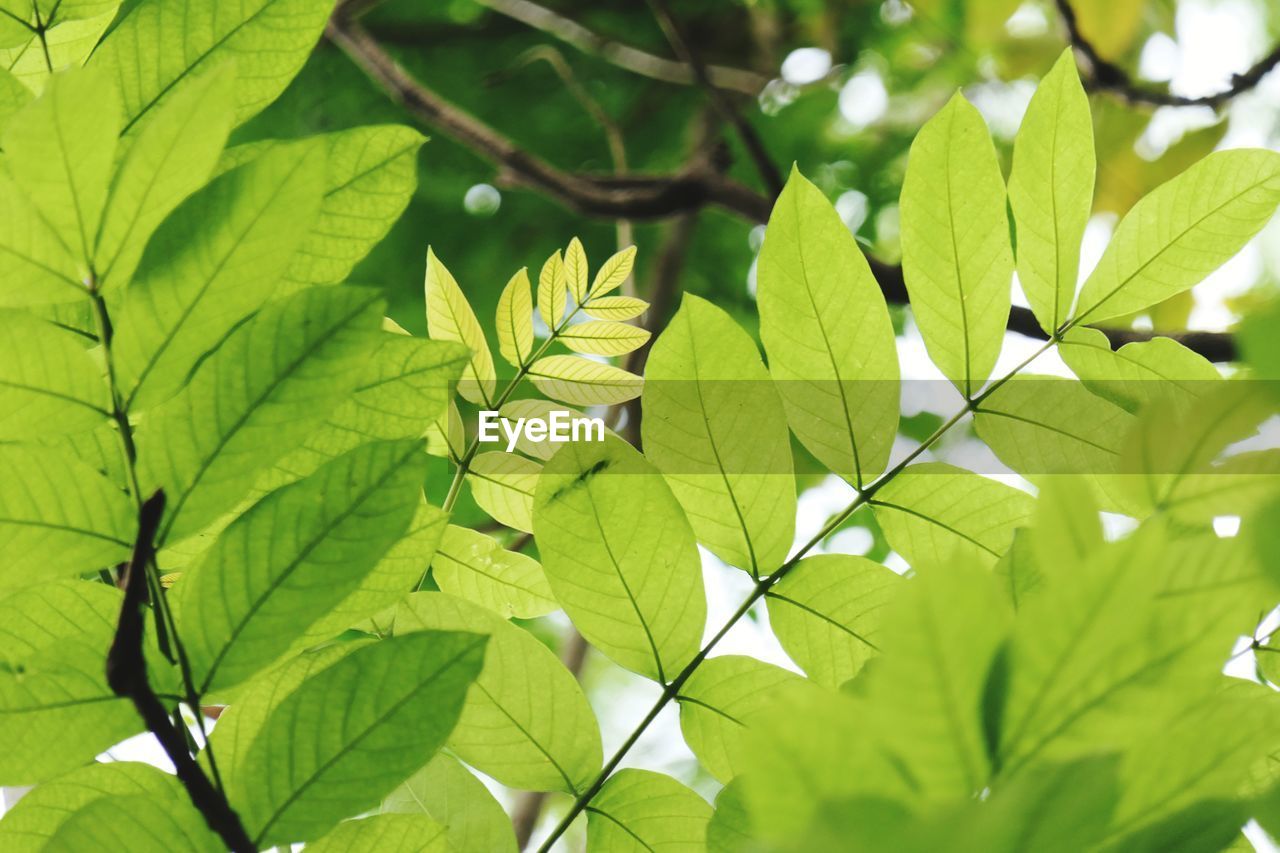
pixel 127 677
pixel 644 196
pixel 1106 76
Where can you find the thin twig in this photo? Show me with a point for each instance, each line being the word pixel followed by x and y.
pixel 1106 76
pixel 127 677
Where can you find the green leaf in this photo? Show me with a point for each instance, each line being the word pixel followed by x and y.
pixel 388 833
pixel 620 556
pixel 956 257
pixel 1182 231
pixel 1137 373
pixel 1049 425
pixel 60 149
pixel 162 43
pixel 66 44
pixel 553 290
pixel 717 704
pixel 34 262
pixel 1065 524
pixel 611 275
pixel 49 384
pixel 134 822
pixel 575 270
pixel 1051 191
pixel 171 156
pixel 450 318
pixel 206 446
pixel 615 307
pixel 58 516
pixel 730 828
pixel 827 333
pixel 213 262
pixel 1238 485
pixel 714 425
pixel 603 337
pixel 316 761
pixel 826 614
pixel 475 567
pixel 583 382
pixel 515 320
pixel 452 795
pixel 641 810
pixel 13 97
pixel 531 409
pixel 292 557
pixel 56 710
pixel 933 511
pixel 526 722
pixel 503 485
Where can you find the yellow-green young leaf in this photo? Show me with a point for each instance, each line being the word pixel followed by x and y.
pixel 612 274
pixel 159 45
pixel 453 796
pixel 717 704
pixel 1182 231
pixel 503 485
pixel 134 823
pixel 340 758
pixel 826 614
pixel 553 290
pixel 34 262
pixel 515 320
pixel 49 384
pixel 940 635
pixel 450 318
pixel 575 270
pixel 56 710
pixel 642 810
pixel 170 157
pixel 1049 425
pixel 13 96
pixel 956 257
pixel 60 150
pixel 615 307
pixel 31 825
pixel 526 722
pixel 1051 191
pixel 65 44
pixel 730 828
pixel 272 382
pixel 388 833
pixel 1238 485
pixel 213 262
pixel 446 437
pixel 292 557
pixel 1137 373
pixel 715 427
pixel 620 556
pixel 583 382
pixel 933 512
pixel 513 410
pixel 475 567
pixel 58 516
pixel 827 334
pixel 1066 523
pixel 603 337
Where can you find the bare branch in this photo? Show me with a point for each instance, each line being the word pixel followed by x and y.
pixel 1106 76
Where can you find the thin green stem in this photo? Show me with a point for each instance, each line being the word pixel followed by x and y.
pixel 762 586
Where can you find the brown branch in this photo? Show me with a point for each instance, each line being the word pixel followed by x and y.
pixel 127 677
pixel 645 196
pixel 1106 76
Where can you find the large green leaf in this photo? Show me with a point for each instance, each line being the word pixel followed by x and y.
pixel 620 556
pixel 163 43
pixel 293 557
pixel 316 761
pixel 639 810
pixel 526 722
pixel 717 704
pixel 133 822
pixel 827 333
pixel 730 828
pixel 933 511
pixel 58 516
pixel 476 567
pixel 503 484
pixel 956 257
pixel 56 710
pixel 826 614
pixel 388 833
pixel 1182 231
pixel 34 263
pixel 715 427
pixel 1051 191
pixel 273 381
pixel 213 262
pixel 172 156
pixel 49 384
pixel 452 795
pixel 1137 373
